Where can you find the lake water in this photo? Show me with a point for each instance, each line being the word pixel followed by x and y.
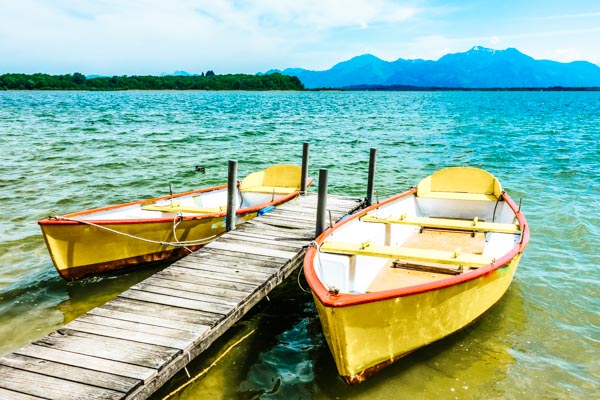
pixel 67 151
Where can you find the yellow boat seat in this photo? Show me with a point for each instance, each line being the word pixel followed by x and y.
pixel 447 223
pixel 270 189
pixel 277 179
pixel 176 207
pixel 407 253
pixel 460 183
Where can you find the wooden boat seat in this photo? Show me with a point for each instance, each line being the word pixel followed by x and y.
pixel 176 207
pixel 460 183
pixel 406 253
pixel 394 278
pixel 446 223
pixel 277 179
pixel 270 189
pixel 460 196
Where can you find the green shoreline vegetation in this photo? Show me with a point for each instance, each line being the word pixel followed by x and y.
pixel 210 81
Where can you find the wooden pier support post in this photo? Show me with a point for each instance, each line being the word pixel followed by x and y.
pixel 321 202
pixel 231 195
pixel 304 176
pixel 371 179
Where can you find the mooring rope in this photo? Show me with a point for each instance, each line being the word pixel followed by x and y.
pixel 205 370
pixel 178 218
pixel 177 243
pixel 331 289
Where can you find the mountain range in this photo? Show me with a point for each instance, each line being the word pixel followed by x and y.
pixel 479 67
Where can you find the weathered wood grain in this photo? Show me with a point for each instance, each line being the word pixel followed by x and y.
pixel 82 375
pixel 115 314
pixel 93 363
pixel 51 388
pixel 143 355
pixel 85 326
pixel 11 395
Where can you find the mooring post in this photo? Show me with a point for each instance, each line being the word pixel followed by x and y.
pixel 321 202
pixel 231 195
pixel 304 176
pixel 371 180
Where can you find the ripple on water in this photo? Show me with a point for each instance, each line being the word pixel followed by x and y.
pixel 67 151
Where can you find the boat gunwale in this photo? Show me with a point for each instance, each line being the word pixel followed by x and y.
pixel 330 299
pixel 68 218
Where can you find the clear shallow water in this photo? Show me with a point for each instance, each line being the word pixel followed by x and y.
pixel 66 151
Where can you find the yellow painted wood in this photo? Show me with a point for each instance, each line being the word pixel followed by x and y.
pixel 177 207
pixel 405 253
pixel 460 183
pixel 284 178
pixel 81 245
pixel 271 189
pixel 397 326
pixel 446 223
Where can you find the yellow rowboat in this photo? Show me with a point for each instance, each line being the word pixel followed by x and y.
pixel 159 229
pixel 415 268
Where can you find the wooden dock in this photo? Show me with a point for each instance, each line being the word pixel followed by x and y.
pixel 129 347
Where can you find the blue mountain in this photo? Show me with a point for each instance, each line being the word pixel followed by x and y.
pixel 479 67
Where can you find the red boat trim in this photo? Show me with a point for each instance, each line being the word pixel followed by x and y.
pixel 343 300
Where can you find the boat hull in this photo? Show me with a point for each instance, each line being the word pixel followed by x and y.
pixel 163 228
pixel 78 249
pixel 366 337
pixel 415 268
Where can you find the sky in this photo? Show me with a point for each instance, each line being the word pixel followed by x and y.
pixel 150 37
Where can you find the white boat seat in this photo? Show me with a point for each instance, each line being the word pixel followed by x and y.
pixel 407 253
pixel 447 223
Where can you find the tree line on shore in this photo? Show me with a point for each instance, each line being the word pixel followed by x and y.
pixel 78 81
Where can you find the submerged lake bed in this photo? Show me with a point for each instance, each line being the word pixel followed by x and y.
pixel 69 151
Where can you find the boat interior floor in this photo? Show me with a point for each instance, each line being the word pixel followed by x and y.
pixel 397 273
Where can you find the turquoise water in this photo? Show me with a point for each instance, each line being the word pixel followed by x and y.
pixel 67 151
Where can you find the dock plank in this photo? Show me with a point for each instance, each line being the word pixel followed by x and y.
pixel 49 387
pixel 208 280
pixel 58 370
pixel 136 326
pixel 170 282
pixel 211 308
pixel 185 294
pixel 247 249
pixel 127 334
pixel 143 355
pixel 11 395
pixel 93 363
pixel 186 317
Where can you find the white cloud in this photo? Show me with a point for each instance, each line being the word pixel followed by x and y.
pixel 152 36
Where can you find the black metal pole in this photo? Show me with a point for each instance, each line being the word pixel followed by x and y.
pixel 231 195
pixel 304 176
pixel 321 202
pixel 371 180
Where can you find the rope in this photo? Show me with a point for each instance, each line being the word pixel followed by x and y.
pixel 178 218
pixel 205 370
pixel 177 243
pixel 331 289
pixel 298 280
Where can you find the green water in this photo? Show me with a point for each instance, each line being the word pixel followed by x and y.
pixel 67 151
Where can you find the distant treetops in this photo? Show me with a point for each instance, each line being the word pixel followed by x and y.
pixel 208 81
